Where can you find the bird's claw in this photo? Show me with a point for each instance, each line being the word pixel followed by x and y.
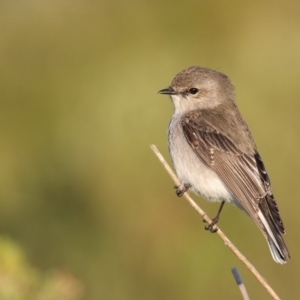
pixel 181 189
pixel 211 227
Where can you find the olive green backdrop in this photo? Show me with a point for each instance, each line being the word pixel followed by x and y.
pixel 80 190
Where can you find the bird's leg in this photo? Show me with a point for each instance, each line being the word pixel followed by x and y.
pixel 215 220
pixel 181 189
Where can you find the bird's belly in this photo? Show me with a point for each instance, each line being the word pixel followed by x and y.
pixel 191 170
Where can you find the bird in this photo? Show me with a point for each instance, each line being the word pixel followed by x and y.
pixel 214 153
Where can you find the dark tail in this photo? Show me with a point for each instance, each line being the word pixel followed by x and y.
pixel 270 218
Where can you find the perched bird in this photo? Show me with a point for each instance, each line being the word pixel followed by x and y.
pixel 214 153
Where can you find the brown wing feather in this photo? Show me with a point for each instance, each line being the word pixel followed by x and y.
pixel 271 203
pixel 244 174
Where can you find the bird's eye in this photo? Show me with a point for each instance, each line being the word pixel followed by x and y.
pixel 193 91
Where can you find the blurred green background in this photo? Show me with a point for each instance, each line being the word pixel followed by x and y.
pixel 86 209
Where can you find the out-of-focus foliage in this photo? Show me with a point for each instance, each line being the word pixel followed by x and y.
pixel 20 281
pixel 81 191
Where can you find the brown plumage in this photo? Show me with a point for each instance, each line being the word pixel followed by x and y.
pixel 220 151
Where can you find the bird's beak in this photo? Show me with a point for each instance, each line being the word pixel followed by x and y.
pixel 167 91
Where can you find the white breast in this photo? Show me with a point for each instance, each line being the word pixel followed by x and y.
pixel 190 169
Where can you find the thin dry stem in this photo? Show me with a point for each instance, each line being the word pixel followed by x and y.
pixel 240 283
pixel 227 242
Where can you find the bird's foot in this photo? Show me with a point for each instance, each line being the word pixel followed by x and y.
pixel 181 189
pixel 211 227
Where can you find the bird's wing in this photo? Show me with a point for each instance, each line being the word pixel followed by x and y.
pixel 244 174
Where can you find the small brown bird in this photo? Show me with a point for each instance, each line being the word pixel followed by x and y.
pixel 214 154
